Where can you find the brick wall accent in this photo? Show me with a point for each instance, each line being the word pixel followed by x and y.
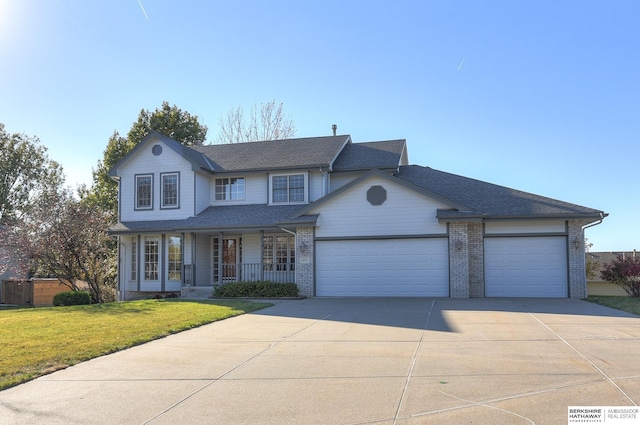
pixel 476 259
pixel 576 259
pixel 458 260
pixel 304 260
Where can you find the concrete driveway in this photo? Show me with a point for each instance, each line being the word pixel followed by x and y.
pixel 357 361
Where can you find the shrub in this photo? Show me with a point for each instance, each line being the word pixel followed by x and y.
pixel 260 289
pixel 72 298
pixel 624 271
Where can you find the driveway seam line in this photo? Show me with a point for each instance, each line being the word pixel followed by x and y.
pixel 214 380
pixel 585 358
pixel 413 363
pixel 486 402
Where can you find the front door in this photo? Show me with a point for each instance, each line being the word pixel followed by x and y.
pixel 230 259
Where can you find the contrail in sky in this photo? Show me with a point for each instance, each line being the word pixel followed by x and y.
pixel 68 14
pixel 143 11
pixel 461 63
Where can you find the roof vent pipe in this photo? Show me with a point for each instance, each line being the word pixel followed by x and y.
pixel 334 128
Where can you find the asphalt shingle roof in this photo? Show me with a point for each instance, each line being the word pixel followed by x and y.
pixel 486 199
pixel 219 218
pixel 362 156
pixel 274 154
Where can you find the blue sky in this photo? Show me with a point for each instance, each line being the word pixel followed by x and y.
pixel 542 96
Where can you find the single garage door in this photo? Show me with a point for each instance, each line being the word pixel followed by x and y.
pixel 383 268
pixel 526 267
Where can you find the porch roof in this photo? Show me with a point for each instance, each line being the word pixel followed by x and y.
pixel 267 217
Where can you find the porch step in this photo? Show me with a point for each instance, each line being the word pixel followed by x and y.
pixel 196 292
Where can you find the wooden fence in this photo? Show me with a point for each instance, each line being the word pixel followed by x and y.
pixel 17 292
pixel 36 292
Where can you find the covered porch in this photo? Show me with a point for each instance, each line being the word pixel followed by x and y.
pixel 223 257
pixel 220 245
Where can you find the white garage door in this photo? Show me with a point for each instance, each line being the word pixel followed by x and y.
pixel 526 267
pixel 383 268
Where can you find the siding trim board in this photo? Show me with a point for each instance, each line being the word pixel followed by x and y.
pixel 380 237
pixel 523 235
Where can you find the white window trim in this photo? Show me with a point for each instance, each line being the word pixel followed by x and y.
pixel 143 252
pixel 167 256
pixel 306 188
pixel 244 193
pixel 134 270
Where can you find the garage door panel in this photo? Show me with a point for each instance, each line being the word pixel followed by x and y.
pixel 405 267
pixel 526 267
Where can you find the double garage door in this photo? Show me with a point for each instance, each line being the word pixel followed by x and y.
pixel 383 268
pixel 514 267
pixel 526 267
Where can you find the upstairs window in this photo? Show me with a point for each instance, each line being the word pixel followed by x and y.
pixel 286 189
pixel 144 191
pixel 230 189
pixel 170 190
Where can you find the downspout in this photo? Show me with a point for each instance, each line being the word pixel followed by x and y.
pixel 296 245
pixel 121 280
pixel 220 259
pixel 288 231
pixel 324 182
pixel 594 224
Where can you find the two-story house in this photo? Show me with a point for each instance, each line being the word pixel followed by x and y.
pixel 337 218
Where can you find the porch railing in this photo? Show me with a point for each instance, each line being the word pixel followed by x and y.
pixel 252 272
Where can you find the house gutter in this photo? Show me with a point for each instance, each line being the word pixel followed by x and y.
pixel 602 216
pixel 288 231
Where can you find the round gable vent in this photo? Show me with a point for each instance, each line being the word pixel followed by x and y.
pixel 156 150
pixel 376 195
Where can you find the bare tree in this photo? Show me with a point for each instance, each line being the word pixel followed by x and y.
pixel 68 239
pixel 266 123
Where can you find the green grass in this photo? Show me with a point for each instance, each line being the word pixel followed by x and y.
pixel 37 341
pixel 628 304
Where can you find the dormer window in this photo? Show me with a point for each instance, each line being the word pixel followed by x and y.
pixel 230 189
pixel 288 188
pixel 170 190
pixel 144 191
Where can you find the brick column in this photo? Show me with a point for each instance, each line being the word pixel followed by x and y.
pixel 576 259
pixel 304 260
pixel 476 260
pixel 458 260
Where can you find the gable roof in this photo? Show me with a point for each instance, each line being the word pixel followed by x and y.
pixel 368 155
pixel 377 173
pixel 198 160
pixel 310 152
pixel 470 199
pixel 489 200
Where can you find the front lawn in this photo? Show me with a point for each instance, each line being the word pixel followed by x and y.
pixel 628 304
pixel 37 341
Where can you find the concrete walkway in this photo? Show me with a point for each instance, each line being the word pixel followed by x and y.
pixel 357 361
